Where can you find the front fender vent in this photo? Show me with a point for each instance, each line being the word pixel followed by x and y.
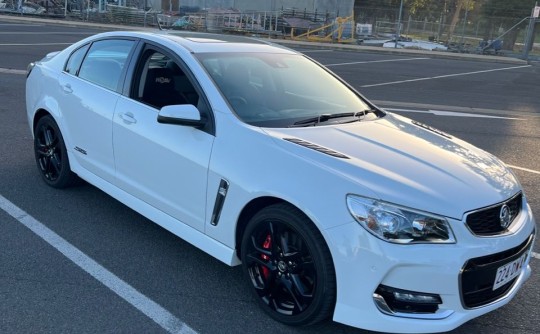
pixel 317 148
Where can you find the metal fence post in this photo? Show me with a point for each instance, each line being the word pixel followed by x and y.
pixel 399 24
pixel 530 34
pixel 462 42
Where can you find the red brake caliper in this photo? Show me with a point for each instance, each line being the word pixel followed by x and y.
pixel 266 245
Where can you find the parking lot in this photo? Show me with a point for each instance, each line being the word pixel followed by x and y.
pixel 158 278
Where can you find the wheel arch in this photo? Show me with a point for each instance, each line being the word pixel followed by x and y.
pixel 40 113
pixel 249 210
pixel 254 206
pixel 50 108
pixel 43 106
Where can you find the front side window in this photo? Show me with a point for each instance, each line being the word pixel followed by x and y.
pixel 105 61
pixel 161 82
pixel 279 90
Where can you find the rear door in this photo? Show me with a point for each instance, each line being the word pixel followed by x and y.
pixel 90 83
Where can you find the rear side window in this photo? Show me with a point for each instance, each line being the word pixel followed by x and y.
pixel 75 60
pixel 105 61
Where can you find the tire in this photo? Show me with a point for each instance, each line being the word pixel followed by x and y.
pixel 51 155
pixel 293 280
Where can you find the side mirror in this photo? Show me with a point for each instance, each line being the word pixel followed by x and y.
pixel 182 114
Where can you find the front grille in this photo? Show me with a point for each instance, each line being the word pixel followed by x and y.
pixel 485 222
pixel 478 276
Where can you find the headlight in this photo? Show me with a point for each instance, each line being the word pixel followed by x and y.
pixel 397 224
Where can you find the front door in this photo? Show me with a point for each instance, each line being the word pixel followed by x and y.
pixel 164 165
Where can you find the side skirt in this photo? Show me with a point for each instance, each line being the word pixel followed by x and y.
pixel 196 238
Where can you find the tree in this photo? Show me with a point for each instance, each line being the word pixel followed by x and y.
pixel 425 8
pixel 447 11
pixel 460 5
pixel 444 10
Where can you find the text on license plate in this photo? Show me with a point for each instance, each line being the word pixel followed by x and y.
pixel 510 270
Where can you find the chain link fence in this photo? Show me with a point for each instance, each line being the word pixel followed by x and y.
pixel 470 32
pixel 140 13
pixel 467 36
pixel 122 12
pixel 467 29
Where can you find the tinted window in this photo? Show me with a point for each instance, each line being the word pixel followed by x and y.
pixel 105 61
pixel 277 90
pixel 74 62
pixel 161 82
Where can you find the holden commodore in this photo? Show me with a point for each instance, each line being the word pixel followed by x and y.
pixel 259 156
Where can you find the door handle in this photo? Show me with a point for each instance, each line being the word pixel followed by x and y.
pixel 128 118
pixel 67 88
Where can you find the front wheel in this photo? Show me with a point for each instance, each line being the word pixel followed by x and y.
pixel 288 265
pixel 51 155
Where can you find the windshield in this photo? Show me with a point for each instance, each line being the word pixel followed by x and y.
pixel 280 90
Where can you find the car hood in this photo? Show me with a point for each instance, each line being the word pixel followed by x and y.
pixel 406 163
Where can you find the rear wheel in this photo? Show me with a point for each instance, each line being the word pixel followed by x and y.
pixel 289 266
pixel 51 155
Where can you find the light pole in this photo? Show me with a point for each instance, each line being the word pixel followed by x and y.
pixel 399 24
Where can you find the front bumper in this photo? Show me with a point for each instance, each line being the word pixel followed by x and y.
pixel 363 263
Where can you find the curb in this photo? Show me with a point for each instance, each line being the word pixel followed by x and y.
pixel 290 43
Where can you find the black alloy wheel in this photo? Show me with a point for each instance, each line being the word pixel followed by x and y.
pixel 51 155
pixel 289 266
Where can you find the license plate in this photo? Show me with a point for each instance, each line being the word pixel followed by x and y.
pixel 509 271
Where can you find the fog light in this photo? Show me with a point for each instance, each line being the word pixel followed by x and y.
pixel 392 300
pixel 416 298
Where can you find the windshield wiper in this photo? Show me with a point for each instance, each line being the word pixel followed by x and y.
pixel 314 121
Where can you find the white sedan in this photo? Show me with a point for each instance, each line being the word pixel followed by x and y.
pixel 259 156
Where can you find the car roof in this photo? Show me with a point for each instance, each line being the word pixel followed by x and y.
pixel 197 42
